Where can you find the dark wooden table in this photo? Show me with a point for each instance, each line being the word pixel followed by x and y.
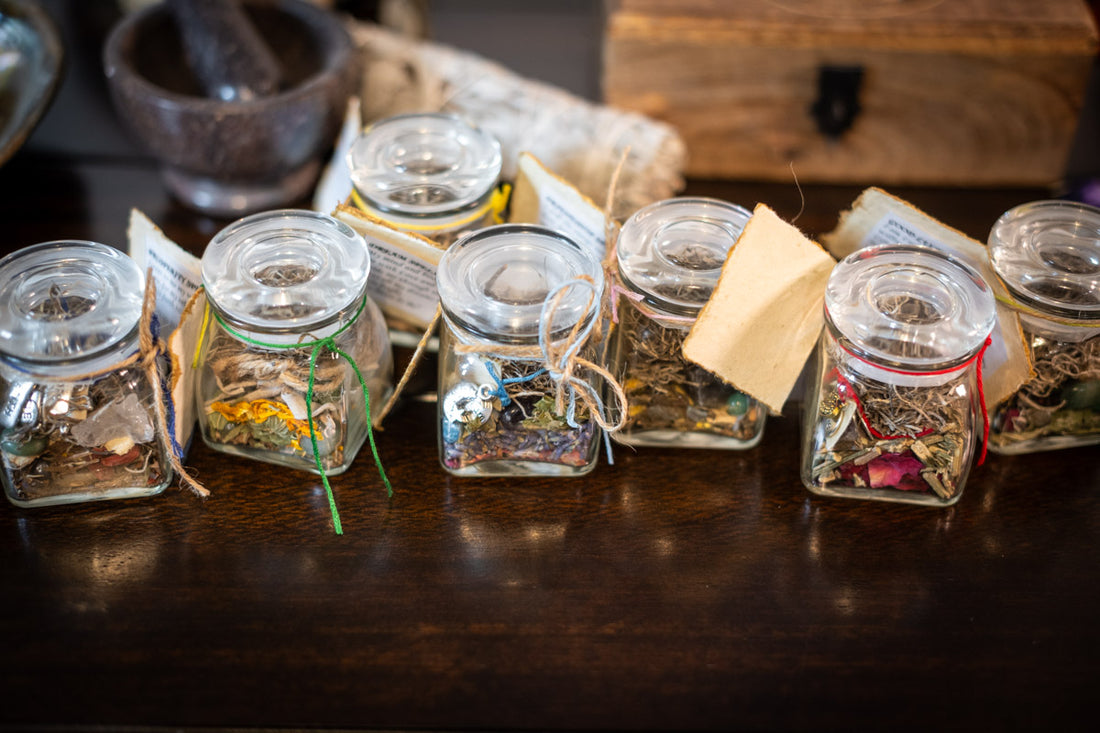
pixel 673 590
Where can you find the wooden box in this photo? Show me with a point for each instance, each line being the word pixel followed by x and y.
pixel 956 92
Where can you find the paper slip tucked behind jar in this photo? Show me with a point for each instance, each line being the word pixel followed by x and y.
pixel 1047 254
pixel 518 394
pixel 430 174
pixel 670 255
pixel 291 333
pixel 78 409
pixel 894 407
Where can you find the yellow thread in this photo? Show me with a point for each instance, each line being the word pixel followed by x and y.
pixel 202 335
pixel 1021 308
pixel 496 204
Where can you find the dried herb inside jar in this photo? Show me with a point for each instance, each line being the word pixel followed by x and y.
pixel 1062 399
pixel 89 438
pixel 891 437
pixel 667 392
pixel 258 401
pixel 505 410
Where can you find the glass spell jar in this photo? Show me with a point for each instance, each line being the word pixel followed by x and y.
pixel 893 409
pixel 1047 254
pixel 430 174
pixel 295 353
pixel 670 255
pixel 519 303
pixel 78 410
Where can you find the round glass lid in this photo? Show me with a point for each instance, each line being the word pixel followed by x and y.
pixel 1047 253
pixel 285 270
pixel 424 164
pixel 67 300
pixel 494 281
pixel 912 306
pixel 673 250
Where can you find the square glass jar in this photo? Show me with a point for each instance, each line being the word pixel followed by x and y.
pixel 79 413
pixel 515 298
pixel 292 331
pixel 893 407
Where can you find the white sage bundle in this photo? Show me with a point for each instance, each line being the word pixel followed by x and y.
pixel 581 141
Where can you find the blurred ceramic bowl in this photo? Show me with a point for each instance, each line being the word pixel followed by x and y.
pixel 31 55
pixel 229 158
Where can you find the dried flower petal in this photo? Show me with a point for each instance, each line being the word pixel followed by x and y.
pixel 889 470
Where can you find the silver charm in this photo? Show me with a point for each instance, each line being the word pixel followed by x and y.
pixel 467 402
pixel 20 405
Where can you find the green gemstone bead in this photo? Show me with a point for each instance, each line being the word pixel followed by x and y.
pixel 1082 395
pixel 24 448
pixel 737 404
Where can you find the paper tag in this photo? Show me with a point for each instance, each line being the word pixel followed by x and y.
pixel 765 315
pixel 542 198
pixel 183 345
pixel 402 267
pixel 334 186
pixel 177 272
pixel 876 217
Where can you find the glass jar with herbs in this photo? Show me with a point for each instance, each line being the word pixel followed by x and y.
pixel 894 408
pixel 518 392
pixel 431 174
pixel 1047 255
pixel 669 257
pixel 78 410
pixel 294 354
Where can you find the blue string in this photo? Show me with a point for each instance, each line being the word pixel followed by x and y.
pixel 500 392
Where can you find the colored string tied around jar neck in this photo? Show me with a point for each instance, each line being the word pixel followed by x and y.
pixel 561 359
pixel 315 347
pixel 497 203
pixel 617 289
pixel 846 387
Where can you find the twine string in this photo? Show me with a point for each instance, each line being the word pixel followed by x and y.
pixel 560 359
pixel 150 346
pixel 327 343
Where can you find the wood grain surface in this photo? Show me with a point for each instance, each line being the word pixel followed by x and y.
pixel 969 92
pixel 673 590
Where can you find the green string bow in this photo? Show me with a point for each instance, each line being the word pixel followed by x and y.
pixel 329 343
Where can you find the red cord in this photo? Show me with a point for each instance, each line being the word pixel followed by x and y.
pixel 846 386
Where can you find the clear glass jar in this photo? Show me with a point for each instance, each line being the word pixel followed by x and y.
pixel 78 412
pixel 1047 254
pixel 893 407
pixel 287 293
pixel 431 174
pixel 498 412
pixel 670 255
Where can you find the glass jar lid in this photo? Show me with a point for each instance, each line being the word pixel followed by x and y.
pixel 67 300
pixel 910 306
pixel 672 251
pixel 285 271
pixel 494 281
pixel 424 164
pixel 1047 253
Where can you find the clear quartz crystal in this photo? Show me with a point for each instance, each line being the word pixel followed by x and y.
pixel 497 413
pixel 670 255
pixel 1047 253
pixel 892 409
pixel 279 284
pixel 77 422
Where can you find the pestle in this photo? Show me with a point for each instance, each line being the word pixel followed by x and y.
pixel 224 51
